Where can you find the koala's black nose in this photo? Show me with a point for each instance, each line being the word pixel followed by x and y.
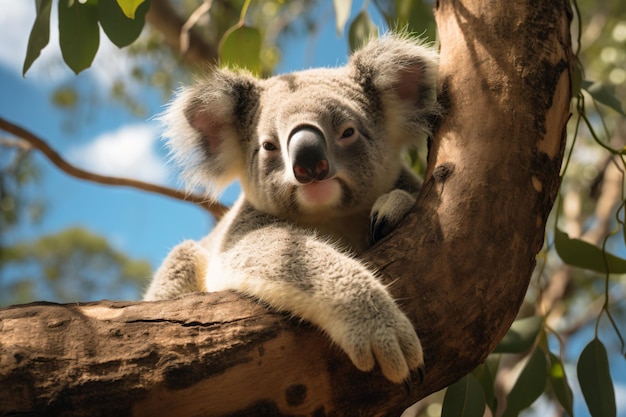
pixel 307 151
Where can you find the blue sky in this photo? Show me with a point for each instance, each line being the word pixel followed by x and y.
pixel 109 140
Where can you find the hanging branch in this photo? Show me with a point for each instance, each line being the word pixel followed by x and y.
pixel 215 208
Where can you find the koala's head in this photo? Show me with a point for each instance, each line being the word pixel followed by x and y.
pixel 321 141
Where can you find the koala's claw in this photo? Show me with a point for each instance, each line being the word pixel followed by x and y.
pixel 378 229
pixel 421 374
pixel 408 383
pixel 387 212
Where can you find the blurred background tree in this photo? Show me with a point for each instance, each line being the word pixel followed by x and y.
pixel 574 297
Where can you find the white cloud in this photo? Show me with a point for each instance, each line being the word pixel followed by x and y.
pixel 127 152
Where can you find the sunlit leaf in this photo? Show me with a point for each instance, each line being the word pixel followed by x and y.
pixel 595 380
pixel 464 398
pixel 403 12
pixel 521 335
pixel 241 48
pixel 121 29
pixel 559 383
pixel 584 255
pixel 485 374
pixel 79 34
pixel 416 17
pixel 529 385
pixel 602 94
pixel 129 7
pixel 39 34
pixel 342 13
pixel 362 29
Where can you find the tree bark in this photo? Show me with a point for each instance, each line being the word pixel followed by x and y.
pixel 459 265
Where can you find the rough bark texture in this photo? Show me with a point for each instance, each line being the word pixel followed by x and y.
pixel 460 265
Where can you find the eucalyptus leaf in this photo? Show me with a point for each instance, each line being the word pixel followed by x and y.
pixel 584 255
pixel 39 34
pixel 362 29
pixel 529 385
pixel 79 34
pixel 602 94
pixel 129 7
pixel 119 28
pixel 485 374
pixel 464 398
pixel 595 380
pixel 414 17
pixel 559 383
pixel 521 335
pixel 241 48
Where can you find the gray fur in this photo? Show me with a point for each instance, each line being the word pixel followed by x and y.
pixel 292 242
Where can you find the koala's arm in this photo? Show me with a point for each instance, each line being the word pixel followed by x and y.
pixel 180 273
pixel 295 271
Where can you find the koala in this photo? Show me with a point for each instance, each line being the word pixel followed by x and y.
pixel 319 155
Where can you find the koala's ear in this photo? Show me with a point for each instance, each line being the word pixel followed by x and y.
pixel 205 128
pixel 403 72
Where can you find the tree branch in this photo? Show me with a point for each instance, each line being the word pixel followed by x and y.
pixel 459 265
pixel 215 208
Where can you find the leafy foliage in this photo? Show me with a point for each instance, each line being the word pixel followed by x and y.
pixel 464 398
pixel 76 264
pixel 79 33
pixel 40 33
pixel 241 48
pixel 595 380
pixel 581 254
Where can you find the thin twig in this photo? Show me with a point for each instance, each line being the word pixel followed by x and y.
pixel 191 22
pixel 215 208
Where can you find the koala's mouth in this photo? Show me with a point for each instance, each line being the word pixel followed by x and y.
pixel 319 193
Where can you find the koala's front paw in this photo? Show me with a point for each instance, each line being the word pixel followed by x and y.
pixel 387 212
pixel 385 335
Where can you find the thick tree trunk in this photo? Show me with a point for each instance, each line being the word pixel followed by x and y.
pixel 460 265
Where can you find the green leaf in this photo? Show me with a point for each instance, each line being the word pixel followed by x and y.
pixel 79 34
pixel 485 374
pixel 521 335
pixel 584 255
pixel 129 7
pixel 602 94
pixel 342 13
pixel 241 48
pixel 559 383
pixel 464 398
pixel 595 380
pixel 528 386
pixel 120 29
pixel 415 17
pixel 362 30
pixel 39 34
pixel 403 12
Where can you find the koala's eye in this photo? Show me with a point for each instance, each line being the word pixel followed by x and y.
pixel 348 132
pixel 268 146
